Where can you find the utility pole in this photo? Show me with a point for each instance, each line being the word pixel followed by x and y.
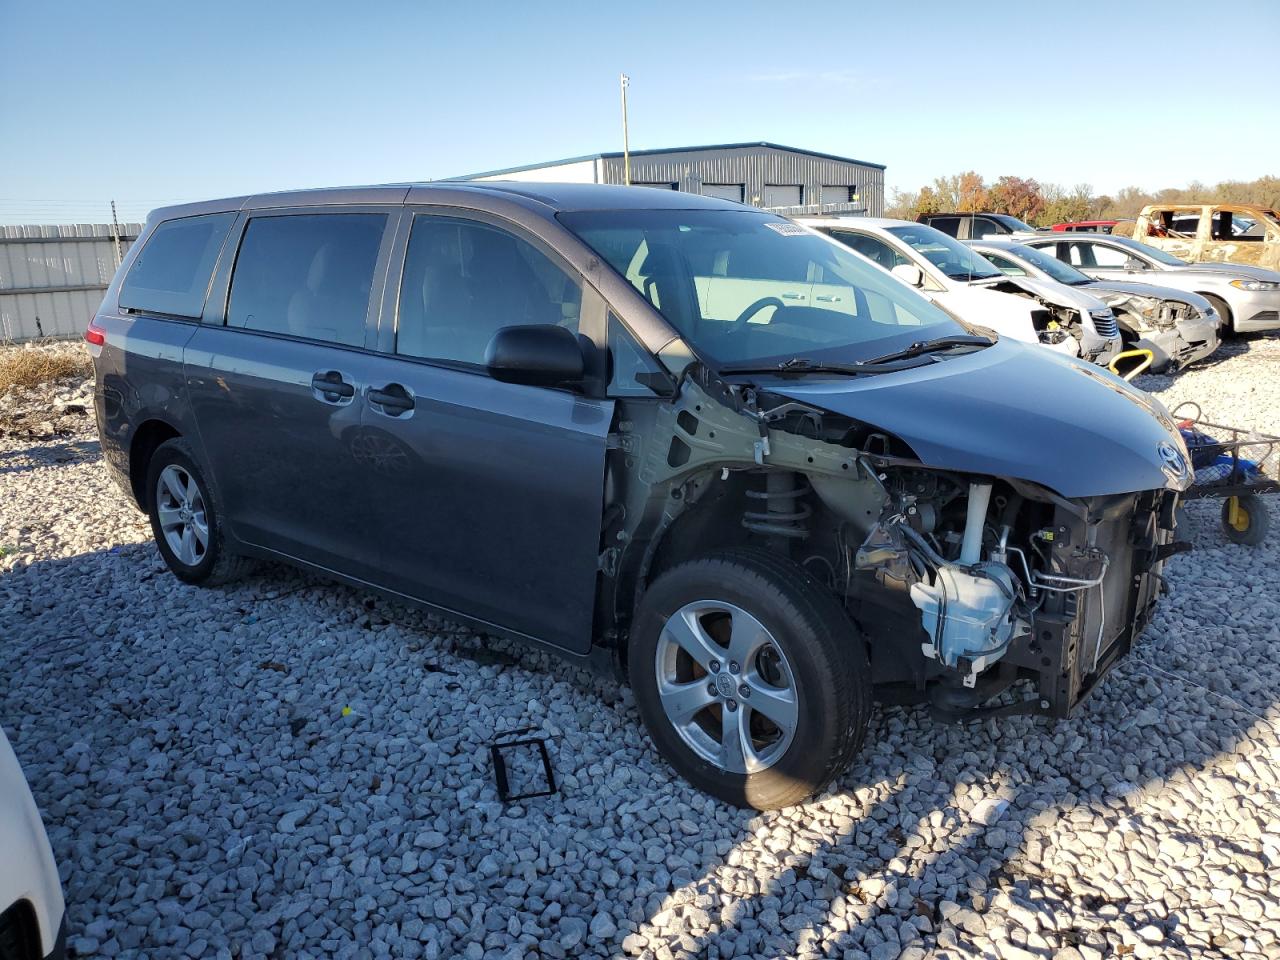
pixel 626 149
pixel 115 233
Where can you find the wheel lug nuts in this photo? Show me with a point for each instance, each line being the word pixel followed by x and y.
pixel 711 689
pixel 714 666
pixel 733 667
pixel 732 705
pixel 744 691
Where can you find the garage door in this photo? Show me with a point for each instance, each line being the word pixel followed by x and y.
pixel 781 195
pixel 658 186
pixel 836 194
pixel 724 191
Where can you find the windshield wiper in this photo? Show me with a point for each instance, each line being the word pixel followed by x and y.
pixel 798 366
pixel 921 347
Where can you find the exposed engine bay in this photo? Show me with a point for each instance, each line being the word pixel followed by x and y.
pixel 961 585
pixel 1054 322
pixel 1140 314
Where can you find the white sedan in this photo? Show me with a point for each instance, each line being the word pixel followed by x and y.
pixel 966 284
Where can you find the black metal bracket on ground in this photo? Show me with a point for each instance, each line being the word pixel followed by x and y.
pixel 501 743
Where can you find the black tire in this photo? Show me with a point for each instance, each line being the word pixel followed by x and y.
pixel 216 564
pixel 1253 516
pixel 824 652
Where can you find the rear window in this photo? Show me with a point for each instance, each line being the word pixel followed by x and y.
pixel 308 275
pixel 171 274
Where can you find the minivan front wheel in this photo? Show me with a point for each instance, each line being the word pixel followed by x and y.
pixel 185 520
pixel 750 678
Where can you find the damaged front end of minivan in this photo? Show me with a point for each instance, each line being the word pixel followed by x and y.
pixel 962 582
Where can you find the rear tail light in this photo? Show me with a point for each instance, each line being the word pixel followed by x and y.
pixel 95 334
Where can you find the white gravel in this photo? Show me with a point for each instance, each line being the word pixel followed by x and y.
pixel 207 795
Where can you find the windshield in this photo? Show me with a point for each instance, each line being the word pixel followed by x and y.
pixel 1159 256
pixel 748 286
pixel 946 253
pixel 1055 268
pixel 1013 223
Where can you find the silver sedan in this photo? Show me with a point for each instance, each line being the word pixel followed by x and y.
pixel 1178 327
pixel 1248 298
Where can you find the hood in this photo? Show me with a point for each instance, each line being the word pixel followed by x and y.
pixel 1007 315
pixel 1115 289
pixel 1051 290
pixel 1104 288
pixel 1018 411
pixel 1241 270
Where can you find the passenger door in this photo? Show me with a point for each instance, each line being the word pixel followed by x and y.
pixel 276 380
pixel 489 495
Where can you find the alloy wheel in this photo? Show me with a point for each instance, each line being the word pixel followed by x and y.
pixel 726 686
pixel 184 521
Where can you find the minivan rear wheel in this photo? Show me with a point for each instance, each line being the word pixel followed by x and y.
pixel 185 520
pixel 751 679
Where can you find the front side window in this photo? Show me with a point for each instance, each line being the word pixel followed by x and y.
pixel 980 227
pixel 946 253
pixel 1005 265
pixel 1104 256
pixel 873 248
pixel 748 286
pixel 307 275
pixel 464 281
pixel 171 274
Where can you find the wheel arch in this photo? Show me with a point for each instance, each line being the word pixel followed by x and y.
pixel 1223 308
pixel 146 440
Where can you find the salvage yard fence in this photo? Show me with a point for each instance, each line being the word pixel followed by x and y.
pixel 52 278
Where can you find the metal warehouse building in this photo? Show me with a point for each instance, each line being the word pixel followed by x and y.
pixel 784 179
pixel 52 278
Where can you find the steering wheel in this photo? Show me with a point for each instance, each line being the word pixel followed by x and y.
pixel 759 305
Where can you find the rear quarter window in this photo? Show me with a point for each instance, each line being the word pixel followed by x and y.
pixel 171 274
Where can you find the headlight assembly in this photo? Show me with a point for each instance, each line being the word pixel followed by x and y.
pixel 1256 286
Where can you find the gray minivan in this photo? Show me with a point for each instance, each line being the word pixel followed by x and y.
pixel 762 477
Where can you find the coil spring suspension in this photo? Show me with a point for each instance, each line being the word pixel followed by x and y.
pixel 783 515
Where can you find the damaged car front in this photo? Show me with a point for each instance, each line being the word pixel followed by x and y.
pixel 1068 321
pixel 991 517
pixel 1178 327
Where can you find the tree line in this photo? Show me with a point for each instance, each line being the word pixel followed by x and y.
pixel 1042 204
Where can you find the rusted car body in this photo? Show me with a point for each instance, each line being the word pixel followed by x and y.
pixel 1212 233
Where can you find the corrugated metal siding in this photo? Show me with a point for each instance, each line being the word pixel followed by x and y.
pixel 52 277
pixel 754 167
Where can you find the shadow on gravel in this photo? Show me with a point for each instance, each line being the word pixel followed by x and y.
pixel 40 455
pixel 934 840
pixel 932 827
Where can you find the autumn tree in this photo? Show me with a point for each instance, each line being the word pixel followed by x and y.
pixel 962 192
pixel 1017 197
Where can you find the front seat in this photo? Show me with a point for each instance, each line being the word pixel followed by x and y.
pixel 313 311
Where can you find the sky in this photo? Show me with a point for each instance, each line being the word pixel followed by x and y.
pixel 150 103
